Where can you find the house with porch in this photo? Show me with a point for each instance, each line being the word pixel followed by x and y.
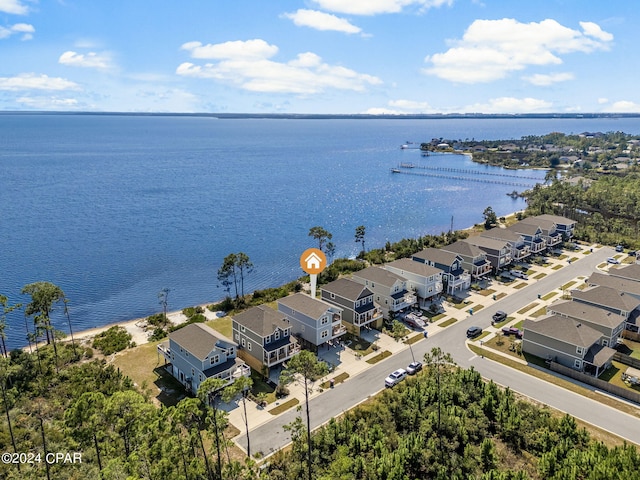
pixel 356 300
pixel 264 337
pixel 423 279
pixel 389 290
pixel 498 252
pixel 532 235
pixel 520 250
pixel 197 352
pixel 611 300
pixel 549 230
pixel 454 277
pixel 564 225
pixel 567 341
pixel 314 322
pixel 474 259
pixel 609 324
pixel 620 284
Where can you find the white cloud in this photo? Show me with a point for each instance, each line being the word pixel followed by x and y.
pixel 401 107
pixel 624 106
pixel 542 80
pixel 603 100
pixel 321 21
pixel 511 105
pixel 48 103
pixel 13 6
pixel 374 7
pixel 90 60
pixel 251 69
pixel 490 49
pixel 31 81
pixel 23 28
pixel 250 49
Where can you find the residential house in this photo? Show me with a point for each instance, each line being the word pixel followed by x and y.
pixel 532 235
pixel 315 322
pixel 264 337
pixel 620 284
pixel 612 300
pixel 628 272
pixel 569 342
pixel 498 251
pixel 453 275
pixel 389 289
pixel 474 259
pixel 564 225
pixel 550 233
pixel 609 324
pixel 423 279
pixel 356 300
pixel 197 352
pixel 519 248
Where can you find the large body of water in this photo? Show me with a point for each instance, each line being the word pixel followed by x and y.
pixel 115 208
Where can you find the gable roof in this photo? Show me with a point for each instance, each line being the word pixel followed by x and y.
pixel 618 283
pixel 417 268
pixel 586 312
pixel 262 320
pixel 303 303
pixel 525 228
pixel 379 275
pixel 607 297
pixel 465 248
pixel 557 219
pixel 563 329
pixel 198 339
pixel 348 289
pixel 543 223
pixel 631 272
pixel 487 242
pixel 437 255
pixel 503 234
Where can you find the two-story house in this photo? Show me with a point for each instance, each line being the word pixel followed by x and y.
pixel 627 272
pixel 315 322
pixel 520 250
pixel 197 352
pixel 568 342
pixel 454 277
pixel 474 260
pixel 358 308
pixel 620 284
pixel 609 324
pixel 498 251
pixel 264 337
pixel 389 290
pixel 532 235
pixel 549 230
pixel 423 279
pixel 612 300
pixel 564 225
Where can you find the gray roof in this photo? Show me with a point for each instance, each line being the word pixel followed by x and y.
pixel 416 268
pixel 312 307
pixel 262 320
pixel 465 248
pixel 599 355
pixel 607 297
pixel 617 283
pixel 487 242
pixel 525 228
pixel 557 219
pixel 503 234
pixel 198 339
pixel 632 272
pixel 348 289
pixel 543 223
pixel 439 255
pixel 588 313
pixel 563 329
pixel 379 275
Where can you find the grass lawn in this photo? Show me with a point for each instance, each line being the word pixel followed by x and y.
pixel 502 343
pixel 446 323
pixel 557 267
pixel 486 292
pixel 573 259
pixel 527 308
pixel 462 305
pixel 562 257
pixel 414 339
pixel 540 275
pixel 501 295
pixel 379 357
pixel 504 322
pixel 520 285
pixel 358 344
pixel 519 324
pixel 284 406
pixel 567 285
pixel 481 336
pixel 436 317
pixel 586 252
pixel 539 313
pixel 336 380
pixel 222 325
pixel 549 295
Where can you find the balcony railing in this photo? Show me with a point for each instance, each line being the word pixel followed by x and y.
pixel 338 330
pixel 407 301
pixel 368 317
pixel 281 354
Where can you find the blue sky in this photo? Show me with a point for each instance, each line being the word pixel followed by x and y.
pixel 320 56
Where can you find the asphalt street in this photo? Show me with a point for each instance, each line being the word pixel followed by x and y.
pixel 270 436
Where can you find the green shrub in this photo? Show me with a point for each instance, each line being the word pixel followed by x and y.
pixel 112 340
pixel 158 334
pixel 156 319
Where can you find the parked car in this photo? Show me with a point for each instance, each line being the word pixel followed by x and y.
pixel 512 331
pixel 519 274
pixel 473 332
pixel 632 253
pixel 414 367
pixel 395 378
pixel 619 248
pixel 499 316
pixel 612 260
pixel 413 321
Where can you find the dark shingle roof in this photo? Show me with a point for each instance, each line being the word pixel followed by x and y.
pixel 607 297
pixel 503 234
pixel 617 283
pixel 465 248
pixel 436 255
pixel 588 313
pixel 379 275
pixel 262 320
pixel 416 268
pixel 348 289
pixel 303 303
pixel 487 242
pixel 563 329
pixel 631 272
pixel 558 220
pixel 198 339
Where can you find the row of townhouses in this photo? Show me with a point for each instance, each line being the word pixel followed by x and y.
pixel 580 333
pixel 264 338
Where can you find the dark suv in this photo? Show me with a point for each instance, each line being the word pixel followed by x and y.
pixel 499 316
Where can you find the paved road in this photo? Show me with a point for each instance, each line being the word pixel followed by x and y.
pixel 270 436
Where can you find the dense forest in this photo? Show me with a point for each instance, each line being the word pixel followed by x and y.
pixel 444 423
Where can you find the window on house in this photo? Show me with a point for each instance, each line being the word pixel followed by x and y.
pixel 237 336
pixel 200 378
pixel 373 285
pixel 231 352
pixel 332 295
pixel 286 333
pixel 249 346
pixel 214 359
pixel 242 329
pixel 324 334
pixel 357 303
pixel 193 372
pixel 579 350
pixel 277 335
pixel 324 320
pixel 243 342
pixel 577 363
pixel 267 340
